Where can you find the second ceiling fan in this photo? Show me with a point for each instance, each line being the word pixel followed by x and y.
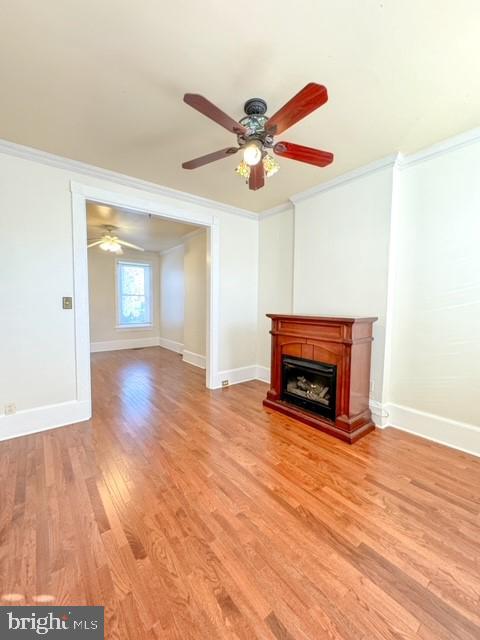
pixel 111 242
pixel 255 134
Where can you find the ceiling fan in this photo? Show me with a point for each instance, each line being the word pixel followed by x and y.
pixel 110 242
pixel 255 134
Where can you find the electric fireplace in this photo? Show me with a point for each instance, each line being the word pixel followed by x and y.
pixel 320 372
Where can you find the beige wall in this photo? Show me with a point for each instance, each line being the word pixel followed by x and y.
pixel 179 301
pixel 102 296
pixel 195 279
pixel 172 296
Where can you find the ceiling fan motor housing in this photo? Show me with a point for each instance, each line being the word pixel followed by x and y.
pixel 255 122
pixel 255 107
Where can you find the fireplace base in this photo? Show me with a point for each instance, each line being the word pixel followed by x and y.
pixel 360 426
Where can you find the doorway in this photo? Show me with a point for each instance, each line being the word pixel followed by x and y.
pixel 81 196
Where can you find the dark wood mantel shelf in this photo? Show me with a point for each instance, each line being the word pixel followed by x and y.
pixel 343 342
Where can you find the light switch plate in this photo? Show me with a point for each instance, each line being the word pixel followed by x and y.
pixel 67 302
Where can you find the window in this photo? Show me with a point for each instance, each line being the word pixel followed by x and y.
pixel 134 299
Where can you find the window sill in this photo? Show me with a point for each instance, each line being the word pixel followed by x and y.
pixel 132 327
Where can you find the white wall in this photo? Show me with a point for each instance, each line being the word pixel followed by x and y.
pixel 195 307
pixel 37 353
pixel 275 276
pixel 172 294
pixel 341 255
pixel 37 361
pixel 102 287
pixel 238 293
pixel 435 352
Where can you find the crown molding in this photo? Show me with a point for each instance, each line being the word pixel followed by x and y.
pixel 187 236
pixel 52 160
pixel 164 252
pixel 368 169
pixel 454 143
pixel 193 233
pixel 398 160
pixel 280 208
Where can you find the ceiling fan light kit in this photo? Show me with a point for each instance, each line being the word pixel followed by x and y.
pixel 255 134
pixel 270 165
pixel 113 244
pixel 252 152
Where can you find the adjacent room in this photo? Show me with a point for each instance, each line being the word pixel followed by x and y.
pixel 147 278
pixel 240 292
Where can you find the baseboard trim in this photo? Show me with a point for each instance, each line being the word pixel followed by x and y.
pixel 24 423
pixel 194 358
pixel 379 414
pixel 451 433
pixel 170 344
pixel 236 376
pixel 262 373
pixel 118 345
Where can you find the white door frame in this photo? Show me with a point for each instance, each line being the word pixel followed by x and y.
pixel 81 193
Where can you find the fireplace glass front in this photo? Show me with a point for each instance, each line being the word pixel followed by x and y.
pixel 310 385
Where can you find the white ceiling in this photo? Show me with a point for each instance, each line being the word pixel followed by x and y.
pixel 148 231
pixel 103 81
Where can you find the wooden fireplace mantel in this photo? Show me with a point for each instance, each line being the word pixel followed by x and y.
pixel 343 342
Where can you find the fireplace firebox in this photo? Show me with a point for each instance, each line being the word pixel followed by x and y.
pixel 310 385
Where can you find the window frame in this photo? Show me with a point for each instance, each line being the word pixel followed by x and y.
pixel 118 295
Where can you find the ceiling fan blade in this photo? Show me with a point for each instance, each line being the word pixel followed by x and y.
pixel 210 157
pixel 257 176
pixel 307 100
pixel 94 244
pixel 303 154
pixel 130 245
pixel 214 113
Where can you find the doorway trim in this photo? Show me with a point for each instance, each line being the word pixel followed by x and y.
pixel 81 194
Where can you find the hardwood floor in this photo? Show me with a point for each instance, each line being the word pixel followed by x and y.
pixel 195 514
